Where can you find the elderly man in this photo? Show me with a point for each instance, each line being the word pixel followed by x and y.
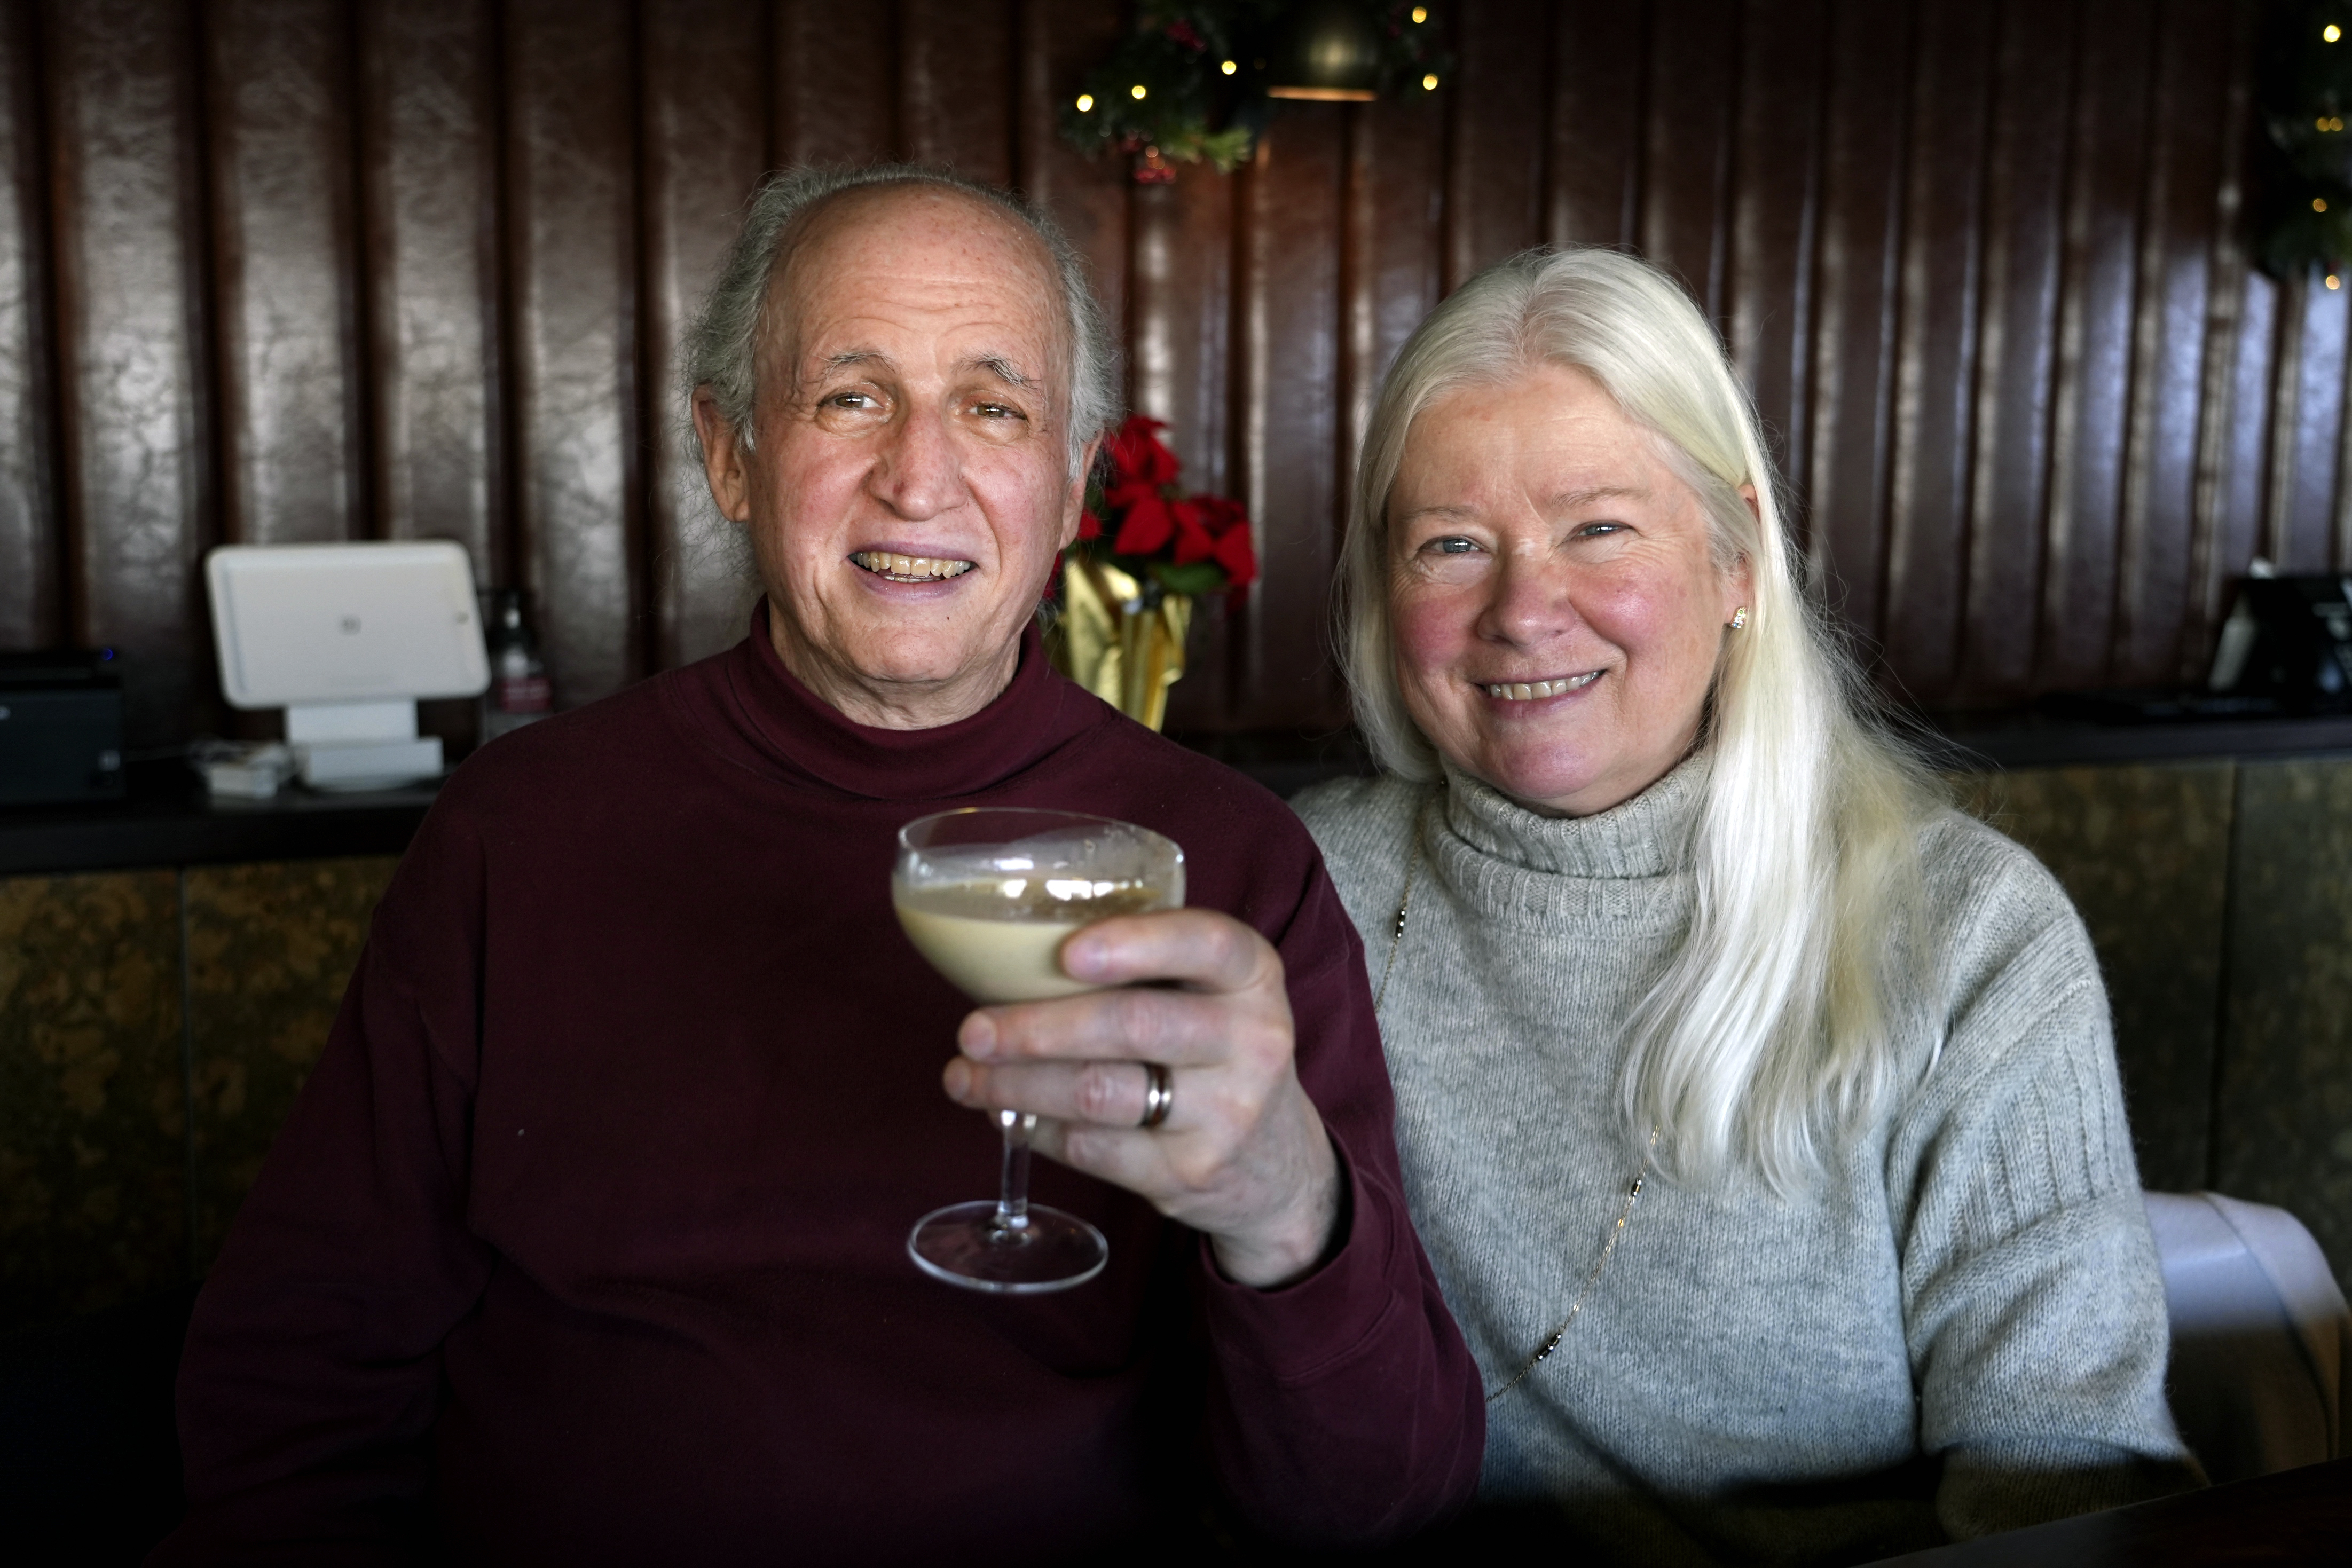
pixel 586 1241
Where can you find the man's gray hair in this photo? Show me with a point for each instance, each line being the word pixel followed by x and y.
pixel 722 346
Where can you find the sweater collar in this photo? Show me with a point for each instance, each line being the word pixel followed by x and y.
pixel 817 744
pixel 1646 836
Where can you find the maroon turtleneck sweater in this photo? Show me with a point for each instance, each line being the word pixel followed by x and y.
pixel 587 1237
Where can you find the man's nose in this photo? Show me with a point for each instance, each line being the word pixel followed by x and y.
pixel 918 472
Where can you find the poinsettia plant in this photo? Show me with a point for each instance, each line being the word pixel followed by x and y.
pixel 1139 520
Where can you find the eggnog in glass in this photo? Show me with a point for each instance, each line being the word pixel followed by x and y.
pixel 989 895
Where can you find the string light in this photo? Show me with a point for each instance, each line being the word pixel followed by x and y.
pixel 2318 204
pixel 2333 281
pixel 1420 14
pixel 1228 67
pixel 2331 32
pixel 1085 102
pixel 1135 92
pixel 1429 82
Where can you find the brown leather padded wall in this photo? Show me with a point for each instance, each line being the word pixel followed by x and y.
pixel 121 85
pixel 298 269
pixel 30 600
pixel 428 176
pixel 277 82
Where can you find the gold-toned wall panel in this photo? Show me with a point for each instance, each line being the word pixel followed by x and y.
pixel 2144 853
pixel 271 949
pixel 93 1139
pixel 2284 1132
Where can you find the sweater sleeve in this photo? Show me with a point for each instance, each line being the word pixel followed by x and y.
pixel 1344 1408
pixel 312 1374
pixel 2033 1309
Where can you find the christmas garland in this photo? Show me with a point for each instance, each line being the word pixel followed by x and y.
pixel 2302 201
pixel 1188 84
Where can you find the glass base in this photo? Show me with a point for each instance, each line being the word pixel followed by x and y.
pixel 963 1244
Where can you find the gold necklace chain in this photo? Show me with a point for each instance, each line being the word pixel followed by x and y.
pixel 1633 1192
pixel 1608 1250
pixel 1396 931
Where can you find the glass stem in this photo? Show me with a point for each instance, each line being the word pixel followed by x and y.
pixel 1012 1187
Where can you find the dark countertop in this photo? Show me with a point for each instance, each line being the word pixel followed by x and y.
pixel 1975 743
pixel 168 820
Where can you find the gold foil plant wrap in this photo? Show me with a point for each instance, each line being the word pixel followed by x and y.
pixel 1116 643
pixel 1145 552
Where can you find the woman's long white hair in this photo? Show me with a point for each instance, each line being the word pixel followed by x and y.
pixel 1764 1044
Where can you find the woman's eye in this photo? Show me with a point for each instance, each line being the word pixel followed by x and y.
pixel 1449 547
pixel 856 399
pixel 997 411
pixel 1599 531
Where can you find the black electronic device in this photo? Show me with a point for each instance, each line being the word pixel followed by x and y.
pixel 2289 639
pixel 60 727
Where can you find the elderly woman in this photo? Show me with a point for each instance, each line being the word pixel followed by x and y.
pixel 1758 1112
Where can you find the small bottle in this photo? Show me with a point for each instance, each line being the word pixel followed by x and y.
pixel 518 691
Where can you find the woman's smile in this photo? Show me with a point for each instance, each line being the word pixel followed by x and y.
pixel 1535 691
pixel 1557 605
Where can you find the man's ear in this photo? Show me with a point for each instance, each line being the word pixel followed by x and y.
pixel 1075 502
pixel 722 458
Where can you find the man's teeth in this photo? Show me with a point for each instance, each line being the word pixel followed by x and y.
pixel 1521 691
pixel 910 568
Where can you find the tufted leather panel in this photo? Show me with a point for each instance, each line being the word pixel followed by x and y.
pixel 296 269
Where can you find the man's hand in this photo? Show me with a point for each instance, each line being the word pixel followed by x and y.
pixel 1242 1156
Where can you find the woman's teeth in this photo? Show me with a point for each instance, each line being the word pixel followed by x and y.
pixel 1521 691
pixel 910 568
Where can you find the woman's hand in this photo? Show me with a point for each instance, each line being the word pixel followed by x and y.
pixel 1242 1156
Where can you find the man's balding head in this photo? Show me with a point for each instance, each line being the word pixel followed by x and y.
pixel 751 309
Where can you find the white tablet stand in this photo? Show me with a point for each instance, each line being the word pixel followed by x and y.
pixel 361 746
pixel 348 638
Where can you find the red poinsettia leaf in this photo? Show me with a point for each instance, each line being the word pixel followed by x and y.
pixel 1236 553
pixel 1193 539
pixel 1223 515
pixel 1089 526
pixel 1137 457
pixel 1154 463
pixel 1120 497
pixel 1147 523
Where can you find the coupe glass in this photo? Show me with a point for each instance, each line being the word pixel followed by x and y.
pixel 989 895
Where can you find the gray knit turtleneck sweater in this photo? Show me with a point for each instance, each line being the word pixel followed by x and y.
pixel 1755 1377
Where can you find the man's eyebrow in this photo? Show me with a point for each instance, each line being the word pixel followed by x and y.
pixel 996 365
pixel 1002 369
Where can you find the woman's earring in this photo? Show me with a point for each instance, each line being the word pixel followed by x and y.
pixel 1739 619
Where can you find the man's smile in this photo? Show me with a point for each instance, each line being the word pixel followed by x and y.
pixel 900 567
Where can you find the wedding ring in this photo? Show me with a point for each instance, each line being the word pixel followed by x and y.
pixel 1157 1096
